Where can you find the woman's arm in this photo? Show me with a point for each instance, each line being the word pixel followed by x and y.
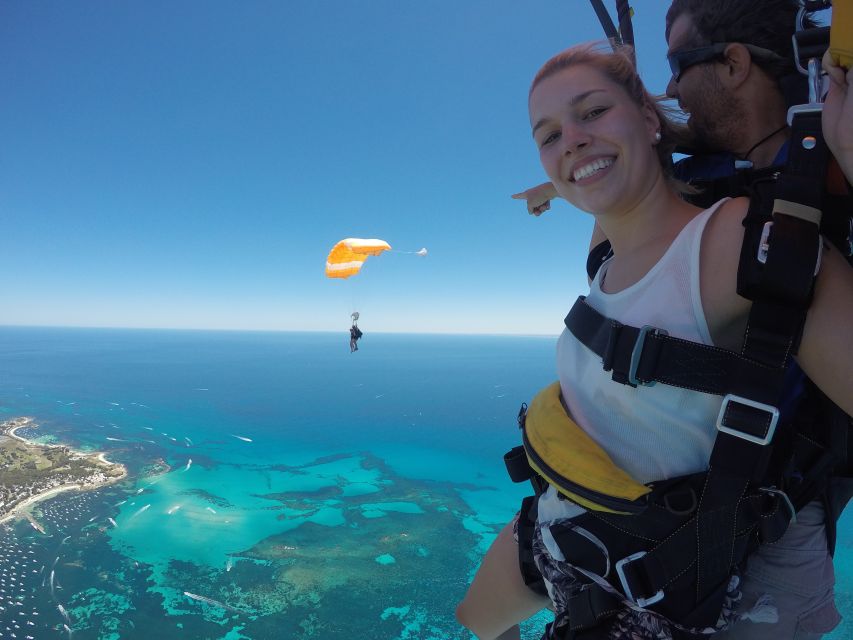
pixel 826 349
pixel 498 599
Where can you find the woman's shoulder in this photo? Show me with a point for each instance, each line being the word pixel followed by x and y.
pixel 724 226
pixel 724 309
pixel 730 208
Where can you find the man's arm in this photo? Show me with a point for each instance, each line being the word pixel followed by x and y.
pixel 539 201
pixel 838 115
pixel 538 198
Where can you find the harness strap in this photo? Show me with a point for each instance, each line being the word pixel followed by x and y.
pixel 517 465
pixel 643 356
pixel 663 578
pixel 778 275
pixel 740 457
pixel 716 528
pixel 590 605
pixel 526 560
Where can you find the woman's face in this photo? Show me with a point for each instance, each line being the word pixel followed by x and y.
pixel 595 143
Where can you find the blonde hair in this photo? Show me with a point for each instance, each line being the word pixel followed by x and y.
pixel 618 66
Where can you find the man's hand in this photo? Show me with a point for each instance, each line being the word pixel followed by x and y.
pixel 838 115
pixel 538 198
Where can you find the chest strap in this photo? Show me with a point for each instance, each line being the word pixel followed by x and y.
pixel 646 355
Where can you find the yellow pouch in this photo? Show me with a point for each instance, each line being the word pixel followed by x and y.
pixel 562 453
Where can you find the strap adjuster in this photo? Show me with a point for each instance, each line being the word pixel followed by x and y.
pixel 609 354
pixel 626 588
pixel 764 246
pixel 772 412
pixel 637 353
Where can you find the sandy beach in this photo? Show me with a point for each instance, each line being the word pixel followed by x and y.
pixel 27 422
pixel 19 511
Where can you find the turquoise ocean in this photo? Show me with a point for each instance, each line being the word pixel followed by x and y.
pixel 293 489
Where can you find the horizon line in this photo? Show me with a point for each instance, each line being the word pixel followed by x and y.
pixel 233 330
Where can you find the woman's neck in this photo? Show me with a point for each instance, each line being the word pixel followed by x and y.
pixel 651 224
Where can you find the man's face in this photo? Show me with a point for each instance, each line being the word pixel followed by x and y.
pixel 710 109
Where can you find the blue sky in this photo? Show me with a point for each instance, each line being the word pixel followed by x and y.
pixel 190 164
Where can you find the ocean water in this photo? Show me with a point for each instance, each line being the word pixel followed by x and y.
pixel 294 489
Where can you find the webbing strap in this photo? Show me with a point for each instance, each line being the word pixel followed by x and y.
pixel 658 357
pixel 778 276
pixel 716 527
pixel 590 605
pixel 783 271
pixel 526 561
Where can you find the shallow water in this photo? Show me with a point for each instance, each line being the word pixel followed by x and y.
pixel 280 487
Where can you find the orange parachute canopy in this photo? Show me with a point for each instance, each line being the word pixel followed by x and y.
pixel 346 257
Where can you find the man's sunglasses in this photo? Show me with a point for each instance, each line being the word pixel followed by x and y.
pixel 680 61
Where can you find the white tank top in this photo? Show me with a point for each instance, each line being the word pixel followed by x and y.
pixel 655 432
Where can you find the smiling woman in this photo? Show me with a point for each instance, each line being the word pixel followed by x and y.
pixel 607 111
pixel 671 563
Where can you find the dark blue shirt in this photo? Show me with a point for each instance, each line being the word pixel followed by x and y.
pixel 710 166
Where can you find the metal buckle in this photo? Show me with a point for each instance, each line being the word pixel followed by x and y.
pixel 770 409
pixel 781 494
pixel 764 246
pixel 803 108
pixel 637 353
pixel 640 602
pixel 764 243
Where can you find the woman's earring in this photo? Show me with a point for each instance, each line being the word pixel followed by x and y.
pixel 657 136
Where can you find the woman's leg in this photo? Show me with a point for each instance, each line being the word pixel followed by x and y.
pixel 498 599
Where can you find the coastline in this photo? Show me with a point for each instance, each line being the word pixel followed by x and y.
pixel 26 422
pixel 21 509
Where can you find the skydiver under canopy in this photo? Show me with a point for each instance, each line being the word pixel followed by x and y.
pixel 354 333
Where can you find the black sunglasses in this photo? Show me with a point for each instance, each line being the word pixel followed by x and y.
pixel 680 61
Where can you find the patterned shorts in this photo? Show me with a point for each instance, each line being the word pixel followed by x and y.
pixel 786 591
pixel 629 624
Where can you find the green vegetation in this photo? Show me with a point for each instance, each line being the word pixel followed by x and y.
pixel 28 469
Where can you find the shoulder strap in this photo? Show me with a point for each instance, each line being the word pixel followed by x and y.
pixel 597 255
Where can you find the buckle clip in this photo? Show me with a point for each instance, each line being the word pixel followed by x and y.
pixel 620 570
pixel 764 243
pixel 637 353
pixel 785 499
pixel 767 408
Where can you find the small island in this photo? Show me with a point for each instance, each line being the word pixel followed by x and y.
pixel 30 472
